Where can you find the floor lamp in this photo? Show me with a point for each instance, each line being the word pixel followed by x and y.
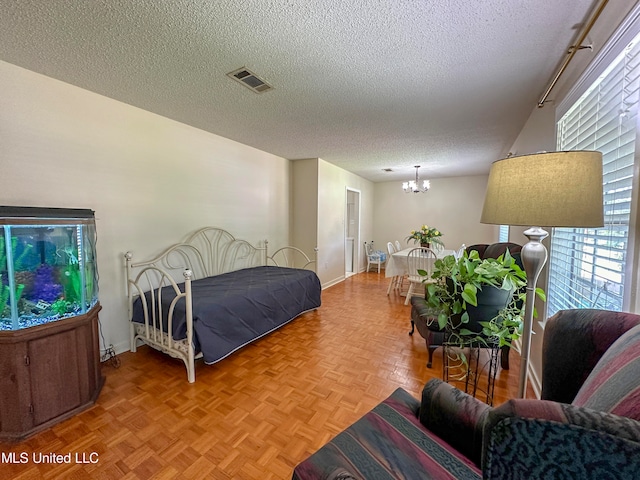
pixel 556 189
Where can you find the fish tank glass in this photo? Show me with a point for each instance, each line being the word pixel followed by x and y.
pixel 48 268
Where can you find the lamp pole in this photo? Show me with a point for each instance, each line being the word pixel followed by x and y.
pixel 534 256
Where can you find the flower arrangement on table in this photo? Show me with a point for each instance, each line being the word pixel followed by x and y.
pixel 426 236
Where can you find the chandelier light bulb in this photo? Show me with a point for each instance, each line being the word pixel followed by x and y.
pixel 412 186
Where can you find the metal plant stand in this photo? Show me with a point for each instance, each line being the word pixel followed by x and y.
pixel 471 367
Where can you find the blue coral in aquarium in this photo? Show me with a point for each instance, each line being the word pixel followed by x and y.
pixel 45 287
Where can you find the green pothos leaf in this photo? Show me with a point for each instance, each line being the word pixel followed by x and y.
pixel 469 294
pixel 442 320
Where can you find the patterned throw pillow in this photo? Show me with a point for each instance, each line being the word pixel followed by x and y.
pixel 380 254
pixel 614 384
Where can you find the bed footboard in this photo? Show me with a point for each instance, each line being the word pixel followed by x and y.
pixel 156 330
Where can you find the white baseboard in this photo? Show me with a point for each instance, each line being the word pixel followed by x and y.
pixel 118 348
pixel 532 376
pixel 333 282
pixel 535 382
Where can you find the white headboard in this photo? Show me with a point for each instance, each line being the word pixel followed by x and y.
pixel 206 252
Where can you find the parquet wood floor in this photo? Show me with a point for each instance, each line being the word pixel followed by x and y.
pixel 254 415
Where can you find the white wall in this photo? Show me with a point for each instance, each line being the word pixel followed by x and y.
pixel 453 205
pixel 149 179
pixel 538 134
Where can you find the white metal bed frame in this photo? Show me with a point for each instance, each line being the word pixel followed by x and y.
pixel 207 252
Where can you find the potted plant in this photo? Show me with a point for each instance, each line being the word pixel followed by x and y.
pixel 426 236
pixel 478 300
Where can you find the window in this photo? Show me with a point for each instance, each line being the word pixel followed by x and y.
pixel 503 234
pixel 587 266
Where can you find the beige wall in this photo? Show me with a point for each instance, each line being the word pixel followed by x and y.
pixel 319 205
pixel 453 205
pixel 332 211
pixel 150 180
pixel 304 204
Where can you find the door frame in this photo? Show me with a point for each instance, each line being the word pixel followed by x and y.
pixel 352 217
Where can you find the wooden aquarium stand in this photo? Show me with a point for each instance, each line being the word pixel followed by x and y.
pixel 48 373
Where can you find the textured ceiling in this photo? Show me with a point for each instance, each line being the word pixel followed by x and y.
pixel 365 84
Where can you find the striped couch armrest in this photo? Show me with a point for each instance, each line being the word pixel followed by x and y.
pixel 387 442
pixel 455 417
pixel 614 383
pixel 567 364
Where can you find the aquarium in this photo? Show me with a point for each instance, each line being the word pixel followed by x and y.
pixel 48 265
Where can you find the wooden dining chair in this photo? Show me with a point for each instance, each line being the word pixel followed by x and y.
pixel 420 258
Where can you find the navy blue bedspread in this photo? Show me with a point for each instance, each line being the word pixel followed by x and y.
pixel 235 308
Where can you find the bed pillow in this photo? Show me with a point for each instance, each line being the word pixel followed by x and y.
pixel 614 384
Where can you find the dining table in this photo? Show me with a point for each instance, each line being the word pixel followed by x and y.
pixel 397 264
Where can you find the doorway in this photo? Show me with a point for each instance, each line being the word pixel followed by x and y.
pixel 352 233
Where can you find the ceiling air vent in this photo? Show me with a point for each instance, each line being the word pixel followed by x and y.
pixel 250 80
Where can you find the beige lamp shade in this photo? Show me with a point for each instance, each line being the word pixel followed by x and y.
pixel 557 189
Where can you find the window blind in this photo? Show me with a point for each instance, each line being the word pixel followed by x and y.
pixel 587 266
pixel 503 233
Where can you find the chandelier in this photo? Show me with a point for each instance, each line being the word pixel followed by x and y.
pixel 414 185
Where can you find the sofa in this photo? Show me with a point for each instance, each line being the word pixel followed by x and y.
pixel 420 311
pixel 586 426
